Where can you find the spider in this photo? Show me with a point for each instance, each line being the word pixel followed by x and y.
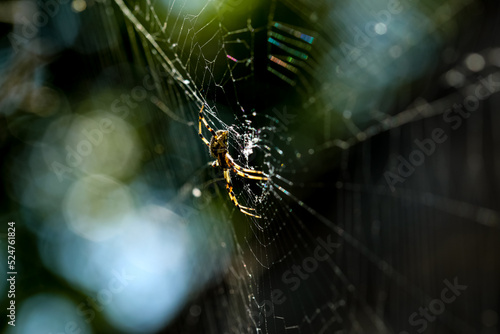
pixel 219 150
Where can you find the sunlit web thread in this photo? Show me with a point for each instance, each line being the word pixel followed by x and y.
pixel 292 229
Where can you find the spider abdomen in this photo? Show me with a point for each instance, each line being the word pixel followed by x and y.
pixel 218 144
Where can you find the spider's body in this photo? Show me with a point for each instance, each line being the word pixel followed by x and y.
pixel 218 147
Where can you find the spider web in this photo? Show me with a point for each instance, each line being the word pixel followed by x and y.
pixel 317 106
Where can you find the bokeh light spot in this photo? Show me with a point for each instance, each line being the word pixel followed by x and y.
pixel 97 206
pixel 475 62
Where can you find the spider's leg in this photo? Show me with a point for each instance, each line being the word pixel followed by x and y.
pixel 200 118
pixel 232 196
pixel 250 176
pixel 245 171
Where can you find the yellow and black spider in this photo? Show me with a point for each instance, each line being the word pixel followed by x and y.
pixel 219 150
